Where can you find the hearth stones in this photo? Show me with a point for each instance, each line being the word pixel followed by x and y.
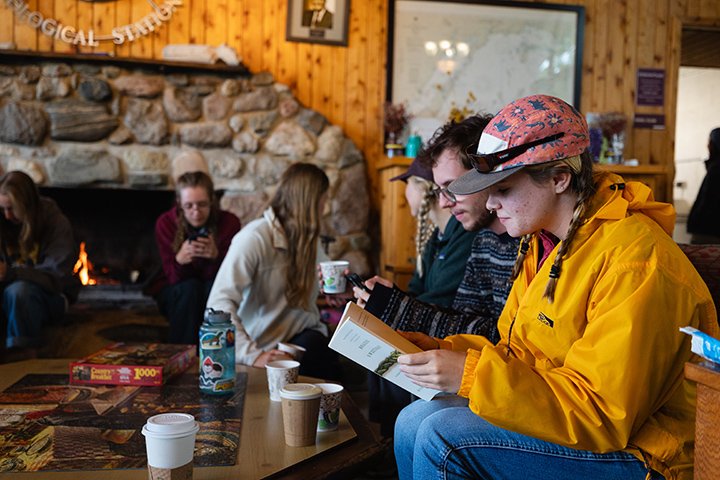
pixel 78 167
pixel 80 121
pixel 95 90
pixel 22 123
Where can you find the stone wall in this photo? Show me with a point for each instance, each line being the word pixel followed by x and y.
pixel 106 126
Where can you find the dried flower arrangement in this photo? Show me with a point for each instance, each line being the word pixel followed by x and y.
pixel 612 123
pixel 395 120
pixel 607 136
pixel 458 114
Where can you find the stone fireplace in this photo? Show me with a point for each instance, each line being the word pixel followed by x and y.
pixel 106 138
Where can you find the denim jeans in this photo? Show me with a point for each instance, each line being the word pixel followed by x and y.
pixel 444 439
pixel 27 308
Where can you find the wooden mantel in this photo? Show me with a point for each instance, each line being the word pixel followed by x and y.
pixel 161 66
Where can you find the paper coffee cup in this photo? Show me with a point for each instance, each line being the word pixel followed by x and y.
pixel 170 443
pixel 300 407
pixel 330 402
pixel 296 351
pixel 279 374
pixel 333 275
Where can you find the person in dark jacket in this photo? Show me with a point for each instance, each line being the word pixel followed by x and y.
pixel 37 257
pixel 193 238
pixel 704 220
pixel 441 243
pixel 483 280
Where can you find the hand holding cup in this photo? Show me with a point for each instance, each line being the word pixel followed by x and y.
pixel 333 276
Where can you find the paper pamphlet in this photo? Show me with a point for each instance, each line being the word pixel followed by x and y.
pixel 703 344
pixel 366 340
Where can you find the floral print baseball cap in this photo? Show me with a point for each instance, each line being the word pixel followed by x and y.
pixel 529 131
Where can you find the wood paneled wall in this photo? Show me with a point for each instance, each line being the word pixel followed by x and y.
pixel 347 85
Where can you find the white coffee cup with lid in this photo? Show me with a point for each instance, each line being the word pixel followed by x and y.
pixel 170 443
pixel 300 408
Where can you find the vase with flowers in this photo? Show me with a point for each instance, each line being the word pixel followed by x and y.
pixel 395 120
pixel 607 136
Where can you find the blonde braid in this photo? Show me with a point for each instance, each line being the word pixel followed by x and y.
pixel 585 187
pixel 425 227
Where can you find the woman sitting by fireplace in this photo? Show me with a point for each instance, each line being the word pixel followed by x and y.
pixel 193 238
pixel 38 254
pixel 268 282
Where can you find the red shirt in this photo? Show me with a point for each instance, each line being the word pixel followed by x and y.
pixel 202 268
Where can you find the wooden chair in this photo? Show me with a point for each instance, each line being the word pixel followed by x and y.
pixel 706 259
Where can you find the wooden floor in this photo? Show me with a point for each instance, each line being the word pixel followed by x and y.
pixel 89 328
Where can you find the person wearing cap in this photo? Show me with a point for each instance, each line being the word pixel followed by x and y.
pixel 485 285
pixel 703 223
pixel 441 242
pixel 587 379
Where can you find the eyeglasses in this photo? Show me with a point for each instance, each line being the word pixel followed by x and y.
pixel 486 162
pixel 198 205
pixel 449 196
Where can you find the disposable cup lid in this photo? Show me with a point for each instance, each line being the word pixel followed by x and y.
pixel 300 391
pixel 282 364
pixel 170 425
pixel 335 263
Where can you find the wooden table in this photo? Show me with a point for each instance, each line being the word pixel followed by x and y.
pixel 262 452
pixel 707 420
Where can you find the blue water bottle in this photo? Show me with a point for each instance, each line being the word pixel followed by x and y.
pixel 217 353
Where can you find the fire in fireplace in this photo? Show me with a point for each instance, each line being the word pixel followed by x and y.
pixel 116 229
pixel 84 268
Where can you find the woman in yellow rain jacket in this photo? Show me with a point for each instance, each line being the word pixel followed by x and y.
pixel 587 380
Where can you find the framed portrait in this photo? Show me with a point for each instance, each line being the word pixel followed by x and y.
pixel 318 21
pixel 449 59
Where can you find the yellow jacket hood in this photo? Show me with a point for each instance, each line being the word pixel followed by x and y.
pixel 635 197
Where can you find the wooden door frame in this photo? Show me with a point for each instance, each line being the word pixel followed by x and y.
pixel 673 75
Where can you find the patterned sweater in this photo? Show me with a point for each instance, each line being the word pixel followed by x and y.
pixel 478 302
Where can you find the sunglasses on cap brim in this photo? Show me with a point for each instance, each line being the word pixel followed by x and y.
pixel 486 162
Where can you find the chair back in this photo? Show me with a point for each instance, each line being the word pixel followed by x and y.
pixel 706 260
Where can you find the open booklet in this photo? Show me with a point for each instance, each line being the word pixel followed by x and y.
pixel 366 340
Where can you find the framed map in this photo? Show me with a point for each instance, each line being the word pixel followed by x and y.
pixel 461 57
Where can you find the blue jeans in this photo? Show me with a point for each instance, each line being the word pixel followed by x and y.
pixel 444 439
pixel 27 308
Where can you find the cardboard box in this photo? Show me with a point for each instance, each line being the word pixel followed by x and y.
pixel 142 364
